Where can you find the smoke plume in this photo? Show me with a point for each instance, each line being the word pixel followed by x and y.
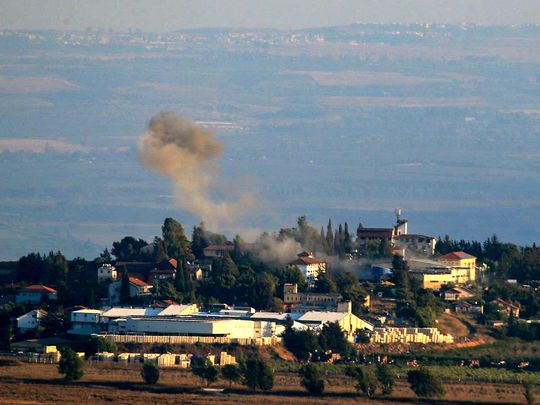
pixel 186 153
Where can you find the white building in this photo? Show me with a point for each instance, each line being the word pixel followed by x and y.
pixel 309 266
pixel 31 320
pixel 34 294
pixel 418 243
pixel 85 322
pixel 106 273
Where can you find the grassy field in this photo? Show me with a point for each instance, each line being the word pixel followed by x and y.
pixel 24 383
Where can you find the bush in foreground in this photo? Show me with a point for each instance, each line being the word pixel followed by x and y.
pixel 70 365
pixel 425 384
pixel 258 374
pixel 386 378
pixel 312 379
pixel 365 378
pixel 150 372
pixel 203 368
pixel 231 373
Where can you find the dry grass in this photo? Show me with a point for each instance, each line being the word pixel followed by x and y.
pixel 40 384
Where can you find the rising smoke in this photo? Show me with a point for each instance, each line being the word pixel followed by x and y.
pixel 186 153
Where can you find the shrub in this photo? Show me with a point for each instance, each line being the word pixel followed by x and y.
pixel 386 378
pixel 150 372
pixel 97 344
pixel 425 384
pixel 70 365
pixel 366 381
pixel 203 368
pixel 312 379
pixel 258 374
pixel 232 373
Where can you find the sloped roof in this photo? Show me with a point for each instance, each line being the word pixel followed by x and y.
pixel 119 312
pixel 459 255
pixel 322 317
pixel 274 316
pixel 138 282
pixel 305 261
pixel 39 288
pixel 174 309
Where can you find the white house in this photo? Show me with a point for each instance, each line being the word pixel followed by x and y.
pixel 85 322
pixel 137 288
pixel 36 293
pixel 31 320
pixel 309 266
pixel 107 272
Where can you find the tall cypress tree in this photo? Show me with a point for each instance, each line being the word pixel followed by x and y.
pixel 347 243
pixel 124 288
pixel 329 238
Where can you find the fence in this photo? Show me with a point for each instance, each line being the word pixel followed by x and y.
pixel 174 340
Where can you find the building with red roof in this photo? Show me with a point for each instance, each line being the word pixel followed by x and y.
pixel 36 293
pixel 309 266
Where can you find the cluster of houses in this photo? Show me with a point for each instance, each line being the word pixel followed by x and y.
pixel 174 323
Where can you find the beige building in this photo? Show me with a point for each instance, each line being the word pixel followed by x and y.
pixel 410 335
pixel 460 261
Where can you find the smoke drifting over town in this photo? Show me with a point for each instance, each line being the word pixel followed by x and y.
pixel 186 153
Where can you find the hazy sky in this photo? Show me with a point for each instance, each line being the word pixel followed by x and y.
pixel 169 15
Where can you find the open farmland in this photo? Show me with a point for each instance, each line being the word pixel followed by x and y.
pixel 40 384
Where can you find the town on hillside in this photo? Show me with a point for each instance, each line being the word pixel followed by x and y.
pixel 379 295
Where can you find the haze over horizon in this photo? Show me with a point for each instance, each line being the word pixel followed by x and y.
pixel 347 122
pixel 170 15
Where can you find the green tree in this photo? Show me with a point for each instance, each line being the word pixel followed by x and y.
pixel 199 241
pixel 312 379
pixel 425 384
pixel 150 372
pixel 265 289
pixel 366 381
pixel 258 374
pixel 351 290
pixel 333 338
pixel 231 373
pixel 325 283
pixel 386 378
pixel 53 322
pixel 128 249
pixel 301 343
pixel 30 268
pixel 400 277
pixel 203 368
pixel 178 245
pixel 385 248
pixel 329 238
pixel 56 268
pixel 70 365
pixel 223 279
pixel 97 344
pixel 125 295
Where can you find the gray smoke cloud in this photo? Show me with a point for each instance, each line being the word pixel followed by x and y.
pixel 186 153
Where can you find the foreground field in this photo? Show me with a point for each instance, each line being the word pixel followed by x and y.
pixel 40 384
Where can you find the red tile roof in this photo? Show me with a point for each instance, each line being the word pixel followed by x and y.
pixel 39 288
pixel 459 255
pixel 137 282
